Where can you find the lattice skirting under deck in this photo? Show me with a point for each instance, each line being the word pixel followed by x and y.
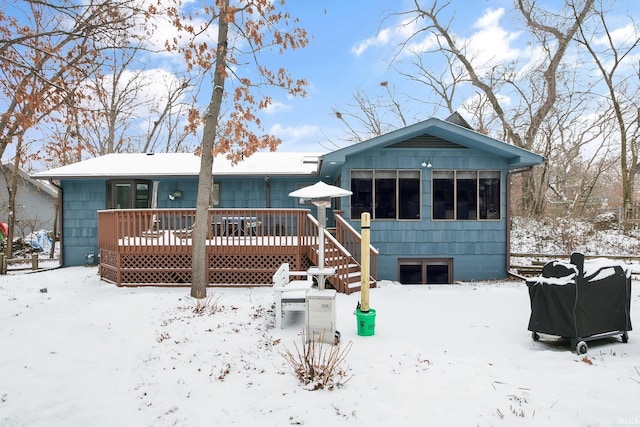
pixel 175 269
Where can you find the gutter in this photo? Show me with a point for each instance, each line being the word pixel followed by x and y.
pixel 508 219
pixel 60 219
pixel 267 185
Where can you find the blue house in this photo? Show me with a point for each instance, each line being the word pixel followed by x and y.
pixel 437 193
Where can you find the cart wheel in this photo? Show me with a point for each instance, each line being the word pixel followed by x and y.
pixel 535 336
pixel 581 348
pixel 625 337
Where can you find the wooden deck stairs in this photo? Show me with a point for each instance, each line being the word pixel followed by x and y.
pixel 349 273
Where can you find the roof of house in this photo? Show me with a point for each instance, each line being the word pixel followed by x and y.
pixel 40 185
pixel 434 133
pixel 134 165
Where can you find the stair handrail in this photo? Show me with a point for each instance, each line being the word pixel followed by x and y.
pixel 340 280
pixel 343 227
pixel 330 236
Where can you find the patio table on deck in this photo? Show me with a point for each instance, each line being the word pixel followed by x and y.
pixel 239 225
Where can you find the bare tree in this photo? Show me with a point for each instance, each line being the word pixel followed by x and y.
pixel 166 130
pixel 366 117
pixel 115 88
pixel 536 91
pixel 46 51
pixel 44 61
pixel 244 31
pixel 581 156
pixel 11 180
pixel 442 86
pixel 613 58
pixel 123 94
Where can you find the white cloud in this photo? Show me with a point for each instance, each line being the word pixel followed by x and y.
pixel 381 39
pixel 472 102
pixel 421 41
pixel 620 36
pixel 395 35
pixel 276 106
pixel 293 132
pixel 158 30
pixel 491 43
pixel 623 38
pixel 490 18
pixel 294 137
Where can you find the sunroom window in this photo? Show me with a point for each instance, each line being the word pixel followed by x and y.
pixel 386 194
pixel 466 195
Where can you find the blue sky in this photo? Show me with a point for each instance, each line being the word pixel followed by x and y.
pixel 355 41
pixel 334 69
pixel 352 46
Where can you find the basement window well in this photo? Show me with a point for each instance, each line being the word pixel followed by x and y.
pixel 430 271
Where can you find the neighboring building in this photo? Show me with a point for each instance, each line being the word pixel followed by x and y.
pixel 35 203
pixel 437 192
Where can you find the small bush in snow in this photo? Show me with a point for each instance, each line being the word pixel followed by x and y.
pixel 317 365
pixel 606 221
pixel 208 305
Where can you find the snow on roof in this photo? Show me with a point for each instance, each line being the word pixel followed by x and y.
pixel 41 185
pixel 184 164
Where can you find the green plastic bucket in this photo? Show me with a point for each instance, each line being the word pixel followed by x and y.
pixel 366 322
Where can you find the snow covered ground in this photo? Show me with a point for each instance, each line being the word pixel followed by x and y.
pixel 86 353
pixel 566 235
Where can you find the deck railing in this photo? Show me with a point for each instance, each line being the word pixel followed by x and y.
pixel 274 234
pixel 352 241
pixel 170 230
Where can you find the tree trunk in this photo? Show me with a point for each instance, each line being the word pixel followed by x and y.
pixel 11 225
pixel 12 187
pixel 200 264
pixel 56 215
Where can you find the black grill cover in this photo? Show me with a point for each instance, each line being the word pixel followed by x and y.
pixel 581 298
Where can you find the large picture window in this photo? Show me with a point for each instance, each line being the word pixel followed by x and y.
pixel 129 194
pixel 386 194
pixel 466 195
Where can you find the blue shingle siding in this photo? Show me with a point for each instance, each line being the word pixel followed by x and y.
pixel 81 201
pixel 478 248
pixel 83 198
pixel 282 186
pixel 242 193
pixel 188 187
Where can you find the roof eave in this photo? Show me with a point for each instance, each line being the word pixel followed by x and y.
pixel 517 157
pixel 168 176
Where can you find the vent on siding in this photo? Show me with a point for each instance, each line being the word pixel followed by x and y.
pixel 426 141
pixel 310 160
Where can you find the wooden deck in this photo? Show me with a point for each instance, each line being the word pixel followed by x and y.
pixel 152 247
